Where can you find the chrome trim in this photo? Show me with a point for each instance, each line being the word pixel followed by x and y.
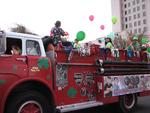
pixel 76 64
pixel 30 102
pixel 78 106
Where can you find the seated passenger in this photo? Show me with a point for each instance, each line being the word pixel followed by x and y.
pixel 32 51
pixel 109 45
pixel 135 44
pixel 133 47
pixel 145 55
pixel 15 50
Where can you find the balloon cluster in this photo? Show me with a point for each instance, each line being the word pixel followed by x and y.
pixel 80 36
pixel 91 18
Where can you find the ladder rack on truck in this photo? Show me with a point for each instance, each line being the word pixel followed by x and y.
pixel 74 80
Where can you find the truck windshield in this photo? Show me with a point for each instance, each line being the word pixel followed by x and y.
pixel 2 43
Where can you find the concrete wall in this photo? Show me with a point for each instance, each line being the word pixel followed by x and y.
pixel 116 11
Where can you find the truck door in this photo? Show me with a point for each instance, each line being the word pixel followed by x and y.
pixel 15 64
pixel 39 67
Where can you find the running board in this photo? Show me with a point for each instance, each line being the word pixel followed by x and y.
pixel 78 106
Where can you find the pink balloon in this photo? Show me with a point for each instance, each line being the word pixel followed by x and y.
pixel 91 17
pixel 102 27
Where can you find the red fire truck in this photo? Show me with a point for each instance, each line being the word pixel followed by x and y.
pixel 32 82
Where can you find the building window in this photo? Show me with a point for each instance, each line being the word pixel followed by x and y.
pixel 129 11
pixel 144 13
pixel 135 31
pixel 139 23
pixel 126 19
pixel 130 25
pixel 138 8
pixel 124 0
pixel 137 1
pixel 134 9
pixel 129 18
pixel 125 12
pixel 139 15
pixel 126 26
pixel 135 24
pixel 134 16
pixel 145 29
pixel 133 2
pixel 144 21
pixel 139 30
pixel 129 4
pixel 143 6
pixel 125 5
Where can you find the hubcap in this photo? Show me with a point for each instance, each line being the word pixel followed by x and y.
pixel 30 107
pixel 129 101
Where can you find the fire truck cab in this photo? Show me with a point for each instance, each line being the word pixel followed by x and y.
pixel 32 81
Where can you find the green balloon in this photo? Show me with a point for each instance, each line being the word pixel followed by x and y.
pixel 114 19
pixel 80 36
pixel 148 49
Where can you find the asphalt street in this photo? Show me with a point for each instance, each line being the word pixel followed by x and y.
pixel 142 107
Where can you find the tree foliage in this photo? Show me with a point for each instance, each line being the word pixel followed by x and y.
pixel 21 29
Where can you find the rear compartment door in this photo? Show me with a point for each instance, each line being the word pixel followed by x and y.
pixel 75 84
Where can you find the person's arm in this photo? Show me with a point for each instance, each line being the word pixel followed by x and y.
pixel 62 32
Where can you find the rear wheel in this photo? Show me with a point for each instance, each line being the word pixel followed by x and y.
pixel 127 103
pixel 29 102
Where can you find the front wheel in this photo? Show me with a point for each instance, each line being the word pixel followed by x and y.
pixel 29 102
pixel 127 103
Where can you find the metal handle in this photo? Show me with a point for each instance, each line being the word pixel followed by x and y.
pixel 21 59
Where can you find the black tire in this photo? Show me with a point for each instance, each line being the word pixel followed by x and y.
pixel 27 99
pixel 127 103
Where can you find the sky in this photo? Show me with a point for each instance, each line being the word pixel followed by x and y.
pixel 39 16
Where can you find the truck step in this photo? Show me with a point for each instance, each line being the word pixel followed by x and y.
pixel 78 106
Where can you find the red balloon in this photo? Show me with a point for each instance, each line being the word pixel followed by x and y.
pixel 91 17
pixel 66 33
pixel 102 27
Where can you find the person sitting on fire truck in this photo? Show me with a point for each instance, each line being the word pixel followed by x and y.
pixel 56 33
pixel 109 45
pixel 134 44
